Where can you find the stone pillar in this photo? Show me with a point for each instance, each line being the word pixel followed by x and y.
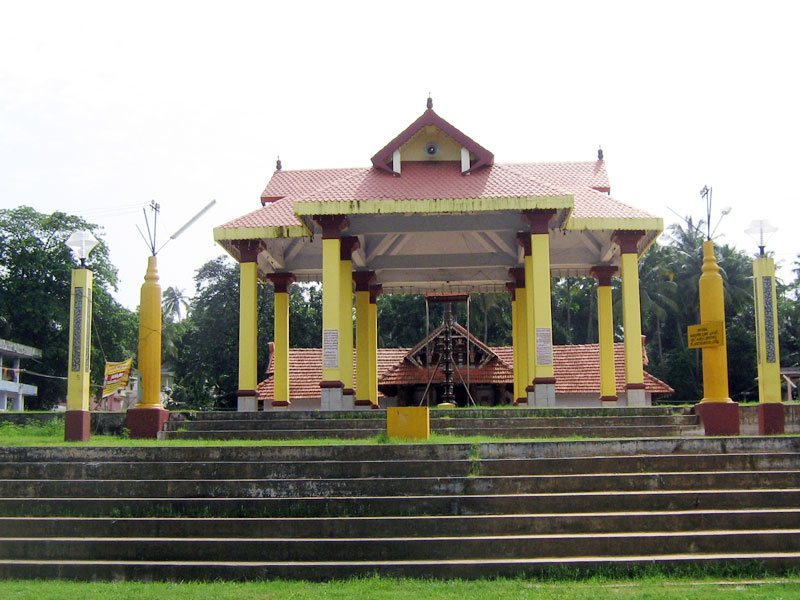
pixel 521 344
pixel 331 385
pixel 247 394
pixel 631 315
pixel 347 245
pixel 362 280
pixel 605 334
pixel 374 292
pixel 771 419
pixel 77 420
pixel 537 277
pixel 280 362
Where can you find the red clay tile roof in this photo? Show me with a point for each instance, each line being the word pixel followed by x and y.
pixel 577 371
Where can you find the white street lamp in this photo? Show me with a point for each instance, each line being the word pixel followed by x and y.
pixel 81 243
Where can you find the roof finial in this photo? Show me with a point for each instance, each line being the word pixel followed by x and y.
pixel 599 153
pixel 278 164
pixel 430 101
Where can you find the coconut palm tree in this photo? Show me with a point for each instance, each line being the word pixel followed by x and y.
pixel 172 301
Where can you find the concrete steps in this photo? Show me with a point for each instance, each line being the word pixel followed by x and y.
pixel 504 423
pixel 442 510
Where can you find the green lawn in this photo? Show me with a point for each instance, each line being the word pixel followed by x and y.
pixel 652 588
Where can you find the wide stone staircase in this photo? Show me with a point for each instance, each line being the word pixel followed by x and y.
pixel 519 423
pixel 424 510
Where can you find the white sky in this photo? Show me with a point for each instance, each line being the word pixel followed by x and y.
pixel 107 105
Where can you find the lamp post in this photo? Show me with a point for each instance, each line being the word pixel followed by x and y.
pixel 770 410
pixel 77 421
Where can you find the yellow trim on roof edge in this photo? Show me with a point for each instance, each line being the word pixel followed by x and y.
pixel 440 205
pixel 260 233
pixel 591 224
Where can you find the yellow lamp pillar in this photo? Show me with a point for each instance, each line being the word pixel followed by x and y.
pixel 281 399
pixel 348 244
pixel 362 280
pixel 537 279
pixel 247 394
pixel 521 342
pixel 331 386
pixel 147 418
pixel 719 414
pixel 771 419
pixel 628 242
pixel 374 292
pixel 605 334
pixel 78 420
pixel 511 288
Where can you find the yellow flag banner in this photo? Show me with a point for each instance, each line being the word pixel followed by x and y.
pixel 116 376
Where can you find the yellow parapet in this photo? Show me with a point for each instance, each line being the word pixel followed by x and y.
pixel 769 364
pixel 281 362
pixel 248 328
pixel 331 314
pixel 712 310
pixel 80 330
pixel 150 338
pixel 408 422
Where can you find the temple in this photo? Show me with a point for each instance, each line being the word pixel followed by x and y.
pixel 434 214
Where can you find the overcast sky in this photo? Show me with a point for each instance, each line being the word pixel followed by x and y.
pixel 105 106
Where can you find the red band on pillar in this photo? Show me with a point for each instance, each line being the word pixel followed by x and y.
pixel 331 225
pixel 281 281
pixel 363 279
pixel 349 243
pixel 603 274
pixel 248 249
pixel 539 220
pixel 628 241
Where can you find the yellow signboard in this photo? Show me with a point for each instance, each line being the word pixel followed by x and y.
pixel 706 335
pixel 116 376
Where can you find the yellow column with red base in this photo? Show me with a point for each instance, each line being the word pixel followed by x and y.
pixel 511 288
pixel 247 394
pixel 362 280
pixel 521 341
pixel 605 334
pixel 348 244
pixel 631 316
pixel 77 418
pixel 281 399
pixel 147 418
pixel 771 419
pixel 374 292
pixel 719 414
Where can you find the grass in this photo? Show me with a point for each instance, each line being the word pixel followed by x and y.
pixel 596 588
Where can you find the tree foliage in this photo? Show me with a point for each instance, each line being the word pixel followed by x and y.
pixel 35 280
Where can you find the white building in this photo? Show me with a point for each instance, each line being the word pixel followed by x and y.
pixel 12 392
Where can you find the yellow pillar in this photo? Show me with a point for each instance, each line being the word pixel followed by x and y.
pixel 281 282
pixel 348 244
pixel 605 334
pixel 537 279
pixel 374 292
pixel 712 309
pixel 149 362
pixel 363 329
pixel 80 327
pixel 247 394
pixel 769 364
pixel 331 384
pixel 511 288
pixel 521 342
pixel 631 315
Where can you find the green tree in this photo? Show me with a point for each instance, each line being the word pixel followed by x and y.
pixel 35 276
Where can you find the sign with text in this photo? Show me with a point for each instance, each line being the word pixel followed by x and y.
pixel 706 335
pixel 116 376
pixel 330 349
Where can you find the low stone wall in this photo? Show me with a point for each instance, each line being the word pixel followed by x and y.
pixel 103 423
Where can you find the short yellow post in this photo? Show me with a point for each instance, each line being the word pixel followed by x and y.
pixel 148 417
pixel 605 334
pixel 719 414
pixel 362 280
pixel 408 422
pixel 281 283
pixel 771 418
pixel 631 316
pixel 77 425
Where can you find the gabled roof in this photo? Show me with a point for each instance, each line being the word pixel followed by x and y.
pixel 427 119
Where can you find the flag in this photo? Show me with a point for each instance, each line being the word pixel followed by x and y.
pixel 116 376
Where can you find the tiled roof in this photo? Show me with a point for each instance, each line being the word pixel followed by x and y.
pixel 577 371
